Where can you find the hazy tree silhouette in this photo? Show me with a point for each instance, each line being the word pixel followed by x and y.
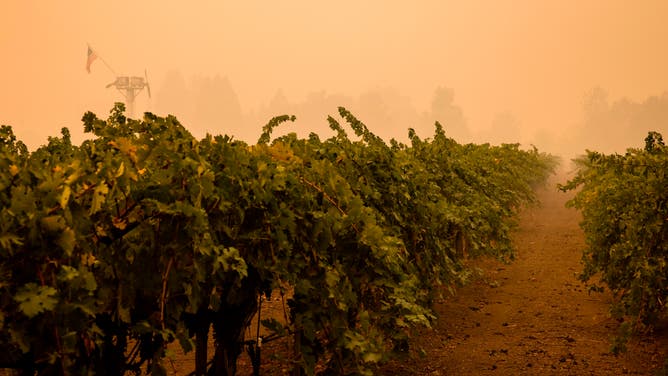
pixel 615 126
pixel 174 97
pixel 204 104
pixel 505 128
pixel 450 115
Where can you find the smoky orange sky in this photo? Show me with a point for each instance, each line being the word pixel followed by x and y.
pixel 534 60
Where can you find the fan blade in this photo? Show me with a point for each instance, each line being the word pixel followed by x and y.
pixel 148 87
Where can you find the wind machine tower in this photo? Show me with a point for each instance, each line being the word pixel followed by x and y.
pixel 129 86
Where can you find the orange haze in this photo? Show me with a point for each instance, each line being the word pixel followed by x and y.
pixel 520 70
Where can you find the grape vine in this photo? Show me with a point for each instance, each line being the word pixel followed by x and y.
pixel 624 202
pixel 144 235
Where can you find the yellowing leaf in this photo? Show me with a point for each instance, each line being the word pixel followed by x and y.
pixel 126 147
pixel 121 169
pixel 88 259
pixel 372 357
pixel 73 177
pixel 119 223
pixel 13 169
pixel 99 195
pixel 65 197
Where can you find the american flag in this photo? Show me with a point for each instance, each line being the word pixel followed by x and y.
pixel 91 57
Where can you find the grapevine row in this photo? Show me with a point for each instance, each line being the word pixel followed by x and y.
pixel 624 202
pixel 143 236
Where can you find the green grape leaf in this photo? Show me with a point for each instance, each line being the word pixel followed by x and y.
pixel 66 241
pixel 52 223
pixel 68 273
pixel 34 299
pixel 9 240
pixel 89 282
pixel 19 338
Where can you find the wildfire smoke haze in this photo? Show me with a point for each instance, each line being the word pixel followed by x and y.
pixel 563 75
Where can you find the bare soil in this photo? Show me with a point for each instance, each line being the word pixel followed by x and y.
pixel 530 317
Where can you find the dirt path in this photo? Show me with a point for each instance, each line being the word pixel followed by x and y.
pixel 531 317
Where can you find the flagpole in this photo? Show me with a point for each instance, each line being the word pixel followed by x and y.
pixel 102 60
